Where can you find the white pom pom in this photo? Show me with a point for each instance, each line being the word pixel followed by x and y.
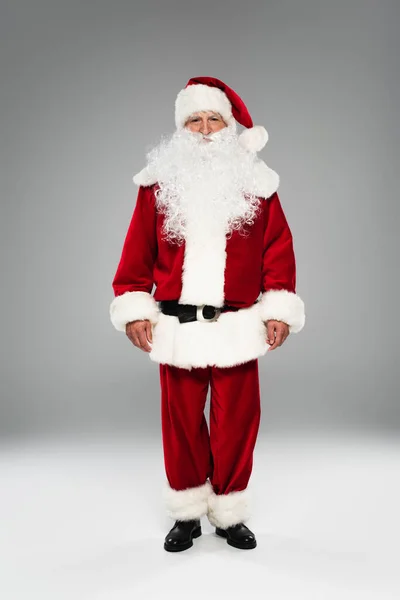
pixel 254 138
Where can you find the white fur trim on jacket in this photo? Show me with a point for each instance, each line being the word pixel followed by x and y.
pixel 132 306
pixel 234 338
pixel 265 181
pixel 144 178
pixel 225 510
pixel 282 305
pixel 187 504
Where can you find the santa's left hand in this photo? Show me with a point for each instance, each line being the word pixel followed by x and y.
pixel 277 332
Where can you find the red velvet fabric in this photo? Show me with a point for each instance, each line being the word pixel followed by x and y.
pixel 224 452
pixel 262 261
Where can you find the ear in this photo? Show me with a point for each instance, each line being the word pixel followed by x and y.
pixel 254 138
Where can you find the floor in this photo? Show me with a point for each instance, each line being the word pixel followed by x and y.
pixel 82 518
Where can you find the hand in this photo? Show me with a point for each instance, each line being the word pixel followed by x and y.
pixel 278 328
pixel 139 332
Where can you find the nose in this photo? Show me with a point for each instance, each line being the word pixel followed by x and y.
pixel 205 127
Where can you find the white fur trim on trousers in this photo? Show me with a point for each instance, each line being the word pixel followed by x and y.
pixel 225 510
pixel 187 504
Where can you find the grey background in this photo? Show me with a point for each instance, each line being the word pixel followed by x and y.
pixel 87 88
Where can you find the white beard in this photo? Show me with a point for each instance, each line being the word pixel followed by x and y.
pixel 203 183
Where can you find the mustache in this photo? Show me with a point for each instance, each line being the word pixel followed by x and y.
pixel 198 136
pixel 220 137
pixel 175 147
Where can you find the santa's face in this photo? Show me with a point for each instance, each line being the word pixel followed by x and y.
pixel 199 181
pixel 206 123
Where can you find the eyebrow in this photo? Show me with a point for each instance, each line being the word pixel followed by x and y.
pixel 216 115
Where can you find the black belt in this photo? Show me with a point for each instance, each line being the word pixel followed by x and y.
pixel 190 312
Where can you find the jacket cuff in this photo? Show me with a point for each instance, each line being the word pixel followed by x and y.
pixel 282 305
pixel 133 306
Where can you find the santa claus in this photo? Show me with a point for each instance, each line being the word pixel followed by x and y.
pixel 208 230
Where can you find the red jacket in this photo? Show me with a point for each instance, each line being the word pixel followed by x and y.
pixel 210 269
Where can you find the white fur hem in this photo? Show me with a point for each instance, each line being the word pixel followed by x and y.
pixel 235 338
pixel 225 510
pixel 133 306
pixel 190 503
pixel 282 305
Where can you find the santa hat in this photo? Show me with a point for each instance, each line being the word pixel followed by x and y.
pixel 209 93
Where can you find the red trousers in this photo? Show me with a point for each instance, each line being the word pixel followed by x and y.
pixel 208 470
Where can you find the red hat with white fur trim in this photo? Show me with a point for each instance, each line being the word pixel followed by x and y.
pixel 209 93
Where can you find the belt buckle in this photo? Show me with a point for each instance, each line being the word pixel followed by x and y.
pixel 200 316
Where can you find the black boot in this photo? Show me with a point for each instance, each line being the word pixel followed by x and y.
pixel 180 536
pixel 238 536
